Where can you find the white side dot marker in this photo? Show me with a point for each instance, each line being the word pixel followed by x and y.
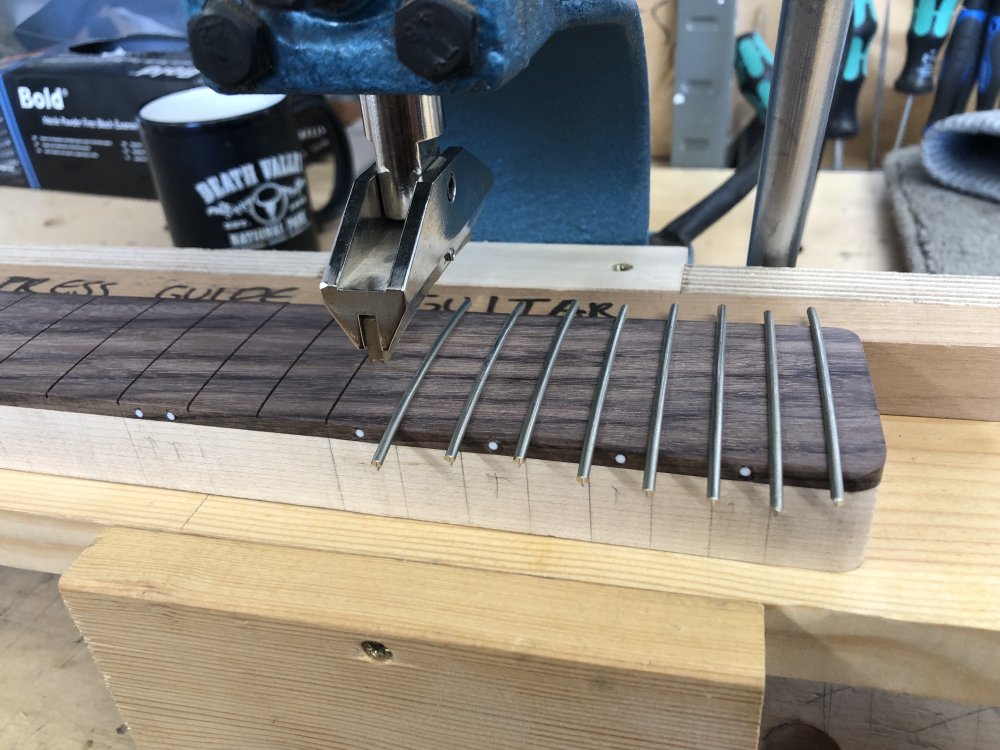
pixel 170 416
pixel 745 471
pixel 493 445
pixel 620 459
pixel 359 433
pixel 139 414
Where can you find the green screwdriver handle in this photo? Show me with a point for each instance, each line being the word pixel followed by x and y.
pixel 843 122
pixel 754 64
pixel 929 28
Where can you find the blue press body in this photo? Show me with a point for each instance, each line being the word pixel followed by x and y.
pixel 557 106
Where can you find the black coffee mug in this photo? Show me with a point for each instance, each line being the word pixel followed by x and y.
pixel 230 169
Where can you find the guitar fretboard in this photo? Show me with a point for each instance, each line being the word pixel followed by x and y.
pixel 289 368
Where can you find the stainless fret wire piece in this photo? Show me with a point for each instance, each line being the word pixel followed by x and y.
pixel 597 406
pixel 477 388
pixel 659 400
pixel 774 461
pixel 718 380
pixel 543 383
pixel 404 403
pixel 829 416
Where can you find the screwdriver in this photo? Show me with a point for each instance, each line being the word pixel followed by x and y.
pixel 989 65
pixel 883 55
pixel 959 69
pixel 928 30
pixel 754 63
pixel 844 122
pixel 754 69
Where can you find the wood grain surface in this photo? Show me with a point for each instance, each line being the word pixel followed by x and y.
pixel 211 644
pixel 932 341
pixel 58 700
pixel 287 369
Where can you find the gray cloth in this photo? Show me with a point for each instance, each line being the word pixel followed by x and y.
pixel 943 231
pixel 963 152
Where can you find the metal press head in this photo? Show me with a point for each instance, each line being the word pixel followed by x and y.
pixel 406 219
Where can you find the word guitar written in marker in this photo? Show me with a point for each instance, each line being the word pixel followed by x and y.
pixel 532 305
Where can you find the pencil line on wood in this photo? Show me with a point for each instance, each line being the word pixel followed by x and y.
pixel 336 474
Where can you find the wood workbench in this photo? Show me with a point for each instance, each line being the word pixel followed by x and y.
pixel 849 225
pixel 914 552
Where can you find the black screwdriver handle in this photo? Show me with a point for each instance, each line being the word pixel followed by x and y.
pixel 989 63
pixel 929 28
pixel 961 62
pixel 844 122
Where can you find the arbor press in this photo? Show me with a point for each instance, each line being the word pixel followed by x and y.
pixel 454 112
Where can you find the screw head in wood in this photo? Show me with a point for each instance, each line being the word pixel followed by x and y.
pixel 376 651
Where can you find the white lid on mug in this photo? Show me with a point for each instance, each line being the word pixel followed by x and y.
pixel 203 105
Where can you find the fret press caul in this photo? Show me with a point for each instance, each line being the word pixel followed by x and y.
pixel 775 424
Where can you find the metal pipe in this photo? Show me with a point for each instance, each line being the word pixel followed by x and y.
pixel 811 37
pixel 403 130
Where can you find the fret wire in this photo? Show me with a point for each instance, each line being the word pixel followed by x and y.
pixel 404 403
pixel 718 388
pixel 829 415
pixel 656 418
pixel 774 457
pixel 477 387
pixel 597 406
pixel 521 452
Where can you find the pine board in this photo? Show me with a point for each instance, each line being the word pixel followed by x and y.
pixel 210 644
pixel 921 615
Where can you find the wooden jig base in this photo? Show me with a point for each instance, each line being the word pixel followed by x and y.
pixel 210 644
pixel 921 615
pixel 482 490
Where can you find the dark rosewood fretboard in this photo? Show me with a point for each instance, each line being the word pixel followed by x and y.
pixel 262 366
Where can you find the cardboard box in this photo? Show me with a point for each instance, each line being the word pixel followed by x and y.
pixel 68 117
